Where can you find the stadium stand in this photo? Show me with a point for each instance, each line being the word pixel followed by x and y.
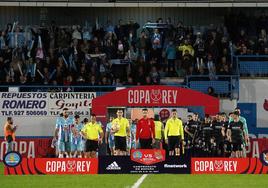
pixel 127 53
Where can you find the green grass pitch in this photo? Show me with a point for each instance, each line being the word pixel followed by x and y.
pixel 126 181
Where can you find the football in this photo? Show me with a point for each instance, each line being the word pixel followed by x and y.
pixel 115 127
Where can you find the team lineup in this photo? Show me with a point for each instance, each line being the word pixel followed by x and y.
pixel 215 136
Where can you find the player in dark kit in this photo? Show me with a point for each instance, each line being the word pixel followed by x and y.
pixel 188 134
pixel 191 130
pixel 236 134
pixel 227 144
pixel 218 137
pixel 206 133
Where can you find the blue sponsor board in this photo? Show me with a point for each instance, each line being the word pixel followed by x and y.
pixel 249 111
pixel 124 165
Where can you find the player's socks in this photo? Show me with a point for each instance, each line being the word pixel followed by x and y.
pixel 67 156
pixel 60 155
pixel 79 156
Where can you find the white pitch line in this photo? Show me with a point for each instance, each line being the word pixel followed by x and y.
pixel 139 181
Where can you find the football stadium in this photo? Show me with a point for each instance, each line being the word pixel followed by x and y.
pixel 133 93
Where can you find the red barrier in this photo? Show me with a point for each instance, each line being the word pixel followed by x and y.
pixel 227 166
pixel 54 166
pixel 30 147
pixel 257 145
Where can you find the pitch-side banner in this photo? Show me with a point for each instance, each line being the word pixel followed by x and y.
pixel 144 162
pixel 257 145
pixel 36 113
pixel 29 147
pixel 44 104
pixel 228 166
pixel 44 166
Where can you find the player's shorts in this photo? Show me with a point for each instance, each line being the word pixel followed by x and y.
pixel 133 144
pixel 227 146
pixel 237 146
pixel 91 145
pixel 83 144
pixel 157 144
pixel 145 143
pixel 111 143
pixel 173 142
pixel 77 147
pixel 64 146
pixel 120 143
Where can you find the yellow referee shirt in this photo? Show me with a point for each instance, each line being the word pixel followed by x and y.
pixel 123 124
pixel 174 128
pixel 92 131
pixel 158 129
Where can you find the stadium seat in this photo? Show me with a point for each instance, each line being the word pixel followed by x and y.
pixel 220 87
pixel 253 67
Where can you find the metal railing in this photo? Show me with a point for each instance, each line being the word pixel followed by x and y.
pixel 230 84
pixel 73 88
pixel 259 66
pixel 226 86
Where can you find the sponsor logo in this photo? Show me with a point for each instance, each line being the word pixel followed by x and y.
pixel 158 155
pixel 215 165
pixel 264 157
pixel 229 165
pixel 67 166
pixel 152 96
pixel 24 104
pixel 12 159
pixel 155 95
pixel 175 166
pixel 148 156
pixel 54 166
pixel 137 155
pixel 60 104
pixel 113 166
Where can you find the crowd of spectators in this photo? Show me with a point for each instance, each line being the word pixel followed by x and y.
pixel 248 32
pixel 124 53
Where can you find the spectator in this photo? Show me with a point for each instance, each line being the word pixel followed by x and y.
pixel 187 60
pixel 148 80
pixel 171 55
pixel 93 81
pixel 199 47
pixel 120 30
pixel 186 47
pixel 140 76
pixel 211 92
pixel 129 81
pixel 117 82
pixel 211 67
pixel 154 75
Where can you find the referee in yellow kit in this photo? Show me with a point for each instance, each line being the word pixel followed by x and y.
pixel 174 133
pixel 93 134
pixel 120 129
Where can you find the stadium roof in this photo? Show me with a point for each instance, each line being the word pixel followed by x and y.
pixel 135 3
